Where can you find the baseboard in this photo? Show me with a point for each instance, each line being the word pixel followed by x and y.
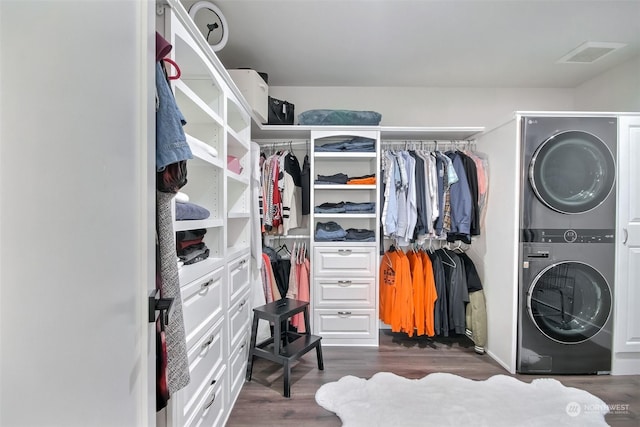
pixel 501 363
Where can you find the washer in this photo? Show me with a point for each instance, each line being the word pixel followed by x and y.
pixel 567 244
pixel 566 301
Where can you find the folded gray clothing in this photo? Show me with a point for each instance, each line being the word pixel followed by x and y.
pixel 190 254
pixel 197 257
pixel 190 211
pixel 338 178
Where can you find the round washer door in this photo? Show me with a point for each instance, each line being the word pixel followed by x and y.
pixel 572 172
pixel 569 302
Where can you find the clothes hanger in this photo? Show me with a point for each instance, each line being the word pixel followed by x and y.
pixel 177 68
pixel 444 251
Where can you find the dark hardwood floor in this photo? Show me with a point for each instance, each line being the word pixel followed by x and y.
pixel 261 402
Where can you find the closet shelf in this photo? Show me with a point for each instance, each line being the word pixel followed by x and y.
pixel 236 139
pixel 429 133
pixel 236 251
pixel 238 178
pixel 194 109
pixel 334 244
pixel 343 187
pixel 196 224
pixel 387 132
pixel 345 215
pixel 201 150
pixel 239 215
pixel 343 155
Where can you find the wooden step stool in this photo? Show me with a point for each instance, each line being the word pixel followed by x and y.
pixel 289 346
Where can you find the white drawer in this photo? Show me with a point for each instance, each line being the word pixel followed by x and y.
pixel 346 261
pixel 239 320
pixel 345 323
pixel 238 365
pixel 202 304
pixel 254 89
pixel 212 406
pixel 330 292
pixel 204 359
pixel 238 277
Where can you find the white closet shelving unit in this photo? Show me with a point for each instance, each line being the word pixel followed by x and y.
pixel 344 275
pixel 215 292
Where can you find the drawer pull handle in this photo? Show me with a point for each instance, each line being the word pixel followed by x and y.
pixel 344 283
pixel 344 251
pixel 207 283
pixel 344 313
pixel 207 343
pixel 213 381
pixel 213 399
pixel 242 303
pixel 243 346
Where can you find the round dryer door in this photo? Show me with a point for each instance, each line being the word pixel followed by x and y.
pixel 572 172
pixel 569 302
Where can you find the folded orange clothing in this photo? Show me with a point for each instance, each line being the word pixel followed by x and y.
pixel 362 181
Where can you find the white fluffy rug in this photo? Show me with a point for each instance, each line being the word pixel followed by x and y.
pixel 441 399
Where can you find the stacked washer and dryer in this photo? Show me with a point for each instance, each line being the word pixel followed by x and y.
pixel 567 244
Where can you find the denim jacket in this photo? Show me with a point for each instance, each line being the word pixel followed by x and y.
pixel 171 142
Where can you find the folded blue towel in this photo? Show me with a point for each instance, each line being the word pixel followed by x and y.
pixel 190 211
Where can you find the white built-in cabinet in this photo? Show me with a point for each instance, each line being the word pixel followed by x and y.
pixel 344 273
pixel 215 292
pixel 626 326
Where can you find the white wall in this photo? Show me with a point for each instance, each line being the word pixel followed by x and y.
pixel 615 90
pixel 77 222
pixel 495 251
pixel 419 106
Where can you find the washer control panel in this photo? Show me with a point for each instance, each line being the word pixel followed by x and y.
pixel 559 235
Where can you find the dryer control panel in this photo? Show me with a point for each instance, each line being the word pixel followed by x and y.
pixel 558 235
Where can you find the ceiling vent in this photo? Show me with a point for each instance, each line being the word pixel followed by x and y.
pixel 589 52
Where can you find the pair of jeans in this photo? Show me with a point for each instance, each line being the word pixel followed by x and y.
pixel 357 143
pixel 328 231
pixel 330 208
pixel 359 207
pixel 360 235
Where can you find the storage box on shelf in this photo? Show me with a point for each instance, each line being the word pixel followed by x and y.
pixel 254 89
pixel 344 282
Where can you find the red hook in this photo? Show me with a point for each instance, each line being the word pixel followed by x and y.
pixel 178 72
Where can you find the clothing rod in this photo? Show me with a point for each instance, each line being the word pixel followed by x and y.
pixel 427 141
pixel 282 143
pixel 289 236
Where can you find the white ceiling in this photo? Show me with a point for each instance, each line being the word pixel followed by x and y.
pixel 432 43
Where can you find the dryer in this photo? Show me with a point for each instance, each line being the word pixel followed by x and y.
pixel 567 244
pixel 569 172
